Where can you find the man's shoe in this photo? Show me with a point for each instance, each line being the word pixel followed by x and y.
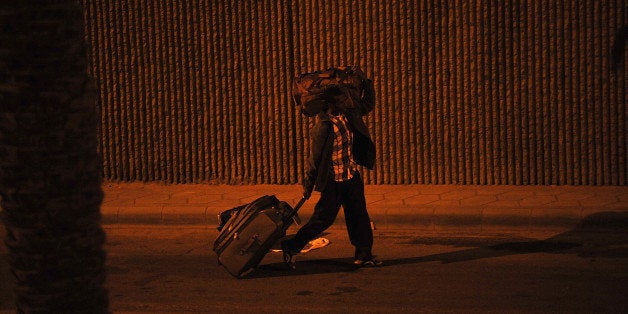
pixel 368 263
pixel 315 244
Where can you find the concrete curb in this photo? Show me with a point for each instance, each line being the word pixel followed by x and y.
pixel 422 207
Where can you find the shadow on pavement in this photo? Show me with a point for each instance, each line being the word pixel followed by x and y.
pixel 603 234
pixel 307 267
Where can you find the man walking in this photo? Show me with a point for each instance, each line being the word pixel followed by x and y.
pixel 340 142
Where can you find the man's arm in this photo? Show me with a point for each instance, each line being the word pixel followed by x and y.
pixel 320 133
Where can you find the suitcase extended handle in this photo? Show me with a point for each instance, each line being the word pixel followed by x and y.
pixel 293 214
pixel 299 204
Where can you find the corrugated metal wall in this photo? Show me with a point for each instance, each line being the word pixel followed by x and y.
pixel 468 92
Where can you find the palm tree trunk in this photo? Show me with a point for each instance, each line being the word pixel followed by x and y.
pixel 50 171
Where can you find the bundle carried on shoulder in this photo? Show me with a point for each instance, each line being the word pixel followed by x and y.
pixel 346 87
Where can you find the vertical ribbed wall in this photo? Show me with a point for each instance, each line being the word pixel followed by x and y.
pixel 468 92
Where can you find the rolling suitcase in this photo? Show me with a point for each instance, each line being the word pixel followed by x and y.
pixel 250 233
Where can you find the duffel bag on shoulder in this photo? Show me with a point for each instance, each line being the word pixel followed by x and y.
pixel 352 90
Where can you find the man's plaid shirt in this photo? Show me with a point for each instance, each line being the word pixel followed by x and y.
pixel 342 160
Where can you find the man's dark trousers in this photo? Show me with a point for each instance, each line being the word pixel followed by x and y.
pixel 349 194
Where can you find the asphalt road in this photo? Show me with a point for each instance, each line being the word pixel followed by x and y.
pixel 160 268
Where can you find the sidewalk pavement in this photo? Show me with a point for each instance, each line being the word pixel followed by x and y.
pixel 422 207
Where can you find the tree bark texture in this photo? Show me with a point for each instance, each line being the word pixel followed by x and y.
pixel 50 170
